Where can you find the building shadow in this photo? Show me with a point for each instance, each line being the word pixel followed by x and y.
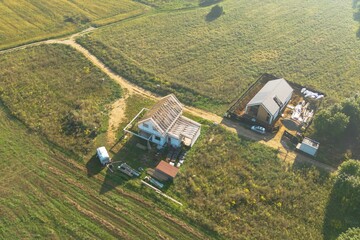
pixel 93 166
pixel 112 180
pixel 243 130
pixel 134 152
pixel 290 124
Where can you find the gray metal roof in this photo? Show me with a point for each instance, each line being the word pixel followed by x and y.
pixel 164 113
pixel 273 95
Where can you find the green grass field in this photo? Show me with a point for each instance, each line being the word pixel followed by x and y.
pixel 48 196
pixel 55 91
pixel 241 190
pixel 24 21
pixel 210 63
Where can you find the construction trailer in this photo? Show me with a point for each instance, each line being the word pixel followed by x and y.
pixel 308 146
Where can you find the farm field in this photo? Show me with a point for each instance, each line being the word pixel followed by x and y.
pixel 47 195
pixel 56 92
pixel 209 63
pixel 25 21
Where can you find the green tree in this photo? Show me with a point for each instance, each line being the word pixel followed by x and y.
pixel 351 108
pixel 329 125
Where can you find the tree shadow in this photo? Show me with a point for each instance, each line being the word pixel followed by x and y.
pixel 343 207
pixel 214 13
pixel 337 219
pixel 355 3
pixel 356 16
pixel 206 3
pixel 93 166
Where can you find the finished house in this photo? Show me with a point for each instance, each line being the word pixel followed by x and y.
pixel 164 124
pixel 269 102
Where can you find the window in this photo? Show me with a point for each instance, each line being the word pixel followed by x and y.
pixel 146 125
pixel 278 102
pixel 157 138
pixel 154 129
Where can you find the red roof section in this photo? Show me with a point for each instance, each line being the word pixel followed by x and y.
pixel 167 169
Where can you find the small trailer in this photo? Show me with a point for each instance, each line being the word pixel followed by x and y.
pixel 103 156
pixel 154 182
pixel 126 169
pixel 308 146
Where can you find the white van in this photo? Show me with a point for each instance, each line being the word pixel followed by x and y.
pixel 103 155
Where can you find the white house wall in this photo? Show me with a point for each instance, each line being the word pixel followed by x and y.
pixel 174 142
pixel 151 130
pixel 196 137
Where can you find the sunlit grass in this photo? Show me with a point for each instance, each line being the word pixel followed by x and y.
pixel 309 42
pixel 24 21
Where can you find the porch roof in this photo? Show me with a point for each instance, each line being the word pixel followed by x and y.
pixel 185 127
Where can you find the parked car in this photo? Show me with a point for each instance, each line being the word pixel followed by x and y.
pixel 258 129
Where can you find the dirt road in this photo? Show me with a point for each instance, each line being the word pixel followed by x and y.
pixel 118 108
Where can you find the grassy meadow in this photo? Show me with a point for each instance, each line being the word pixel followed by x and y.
pixel 234 188
pixel 241 190
pixel 55 91
pixel 25 21
pixel 209 63
pixel 45 195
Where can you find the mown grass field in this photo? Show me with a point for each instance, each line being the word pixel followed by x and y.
pixel 49 196
pixel 210 63
pixel 55 91
pixel 24 21
pixel 241 190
